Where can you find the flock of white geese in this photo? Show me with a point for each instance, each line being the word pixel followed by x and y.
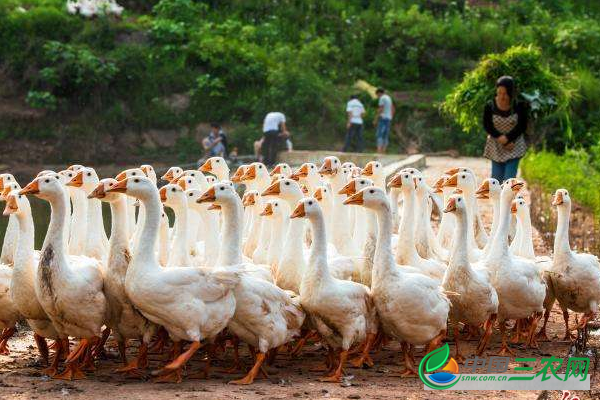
pixel 331 254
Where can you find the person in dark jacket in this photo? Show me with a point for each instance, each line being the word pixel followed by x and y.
pixel 505 121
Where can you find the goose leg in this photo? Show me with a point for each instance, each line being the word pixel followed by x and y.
pixel 302 342
pixel 123 350
pixel 237 364
pixel 42 347
pixel 365 358
pixel 134 368
pixel 161 340
pixel 568 337
pixel 73 369
pixel 337 375
pixel 249 378
pixel 172 371
pixel 516 334
pixel 584 320
pixel 458 357
pixel 489 324
pixel 531 340
pixel 436 341
pixel 6 334
pixel 504 350
pixel 409 364
pixel 52 370
pixel 542 336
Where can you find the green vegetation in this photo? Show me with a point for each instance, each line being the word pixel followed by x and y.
pixel 576 171
pixel 235 60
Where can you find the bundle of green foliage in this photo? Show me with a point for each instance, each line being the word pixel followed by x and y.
pixel 544 91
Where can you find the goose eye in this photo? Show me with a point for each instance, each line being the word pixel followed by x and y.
pixel 172 189
pixel 218 160
pixel 20 196
pixel 406 176
pixel 47 181
pixel 287 183
pixel 191 194
pixel 8 178
pixel 57 178
pixel 136 180
pixel 89 174
pixel 312 167
pixel 310 203
pixel 260 166
pixel 371 191
pixel 459 200
pixel 133 173
pixel 463 177
pixel 222 188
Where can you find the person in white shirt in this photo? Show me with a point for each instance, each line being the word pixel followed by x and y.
pixel 354 125
pixel 275 134
pixel 383 120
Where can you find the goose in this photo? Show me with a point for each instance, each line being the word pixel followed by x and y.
pixel 342 311
pixel 275 210
pixel 96 244
pixel 481 235
pixel 412 307
pixel 69 290
pixel 266 316
pixel 77 224
pixel 282 169
pixel 252 202
pixel 192 304
pixel 342 239
pixel 447 223
pixel 465 181
pixel 308 175
pixel 374 170
pixel 149 171
pixel 256 177
pixel 518 282
pixel 490 190
pixel 172 196
pixel 216 166
pixel 124 320
pixel 324 196
pixel 131 224
pixel 172 173
pixel 11 233
pixel 406 253
pixel 426 242
pixel 475 301
pixel 348 164
pixel 575 277
pixel 22 284
pixel 9 314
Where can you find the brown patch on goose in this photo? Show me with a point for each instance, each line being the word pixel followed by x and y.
pixel 46 270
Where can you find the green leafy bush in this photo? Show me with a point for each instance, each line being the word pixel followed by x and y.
pixel 41 100
pixel 542 89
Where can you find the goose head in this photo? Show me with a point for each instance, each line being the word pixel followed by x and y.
pixel 306 208
pixel 510 189
pixel 323 194
pixel 216 166
pixel 490 188
pixel 173 196
pixel 239 172
pixel 456 170
pixel 273 209
pixel 561 198
pixel 140 187
pixel 149 171
pixel 404 181
pixel 45 187
pixel 256 172
pixel 45 172
pixel 374 169
pixel 250 198
pixel 221 194
pixel 15 203
pixel 456 204
pixel 65 177
pixel 349 164
pixel 172 173
pixel 7 189
pixel 186 182
pixel 355 185
pixel 86 179
pixel 282 169
pixel 439 183
pixel 519 206
pixel 75 167
pixel 370 197
pixel 129 173
pixel 6 179
pixel 307 171
pixel 465 181
pixel 412 171
pixel 101 191
pixel 211 180
pixel 287 189
pixel 330 167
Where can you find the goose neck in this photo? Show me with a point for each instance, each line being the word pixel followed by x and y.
pixel 118 231
pixel 459 257
pixel 383 262
pixel 561 240
pixel 23 256
pixel 406 251
pixel 499 249
pixel 230 253
pixel 144 256
pixel 318 267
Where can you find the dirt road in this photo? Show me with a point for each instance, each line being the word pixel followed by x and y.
pixel 20 376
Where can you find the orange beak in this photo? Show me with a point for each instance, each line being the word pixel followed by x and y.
pixel 32 188
pixel 318 194
pixel 483 192
pixel 300 173
pixel 517 185
pixel 1 184
pixel 415 181
pixel 11 206
pixel 272 190
pixel 77 180
pixel 298 211
pixel 349 189
pixel 513 207
pixel 368 169
pixel 457 191
pixel 209 195
pixel 249 200
pixel 98 193
pixel 276 170
pixel 119 187
pixel 5 192
pixel 452 181
pixel 356 198
pixel 250 173
pixel 144 170
pixel 557 200
pixel 452 171
pixel 168 176
pixel 121 176
pixel 396 181
pixel 237 177
pixel 439 184
pixel 451 206
pixel 267 211
pixel 206 167
pixel 326 168
pixel 182 183
pixel 163 194
pixel 304 189
pixel 214 207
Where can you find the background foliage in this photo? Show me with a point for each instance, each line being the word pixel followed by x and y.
pixel 235 60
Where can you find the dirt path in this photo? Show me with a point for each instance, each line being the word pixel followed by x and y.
pixel 20 376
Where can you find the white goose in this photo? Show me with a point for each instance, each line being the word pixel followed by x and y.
pixel 69 290
pixel 172 196
pixel 11 233
pixel 192 304
pixel 426 242
pixel 518 282
pixel 216 166
pixel 124 320
pixel 342 311
pixel 276 210
pixel 412 307
pixel 308 175
pixel 132 226
pixel 490 190
pixel 446 227
pixel 282 169
pixel 172 173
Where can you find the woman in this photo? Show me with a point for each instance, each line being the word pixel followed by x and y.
pixel 505 121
